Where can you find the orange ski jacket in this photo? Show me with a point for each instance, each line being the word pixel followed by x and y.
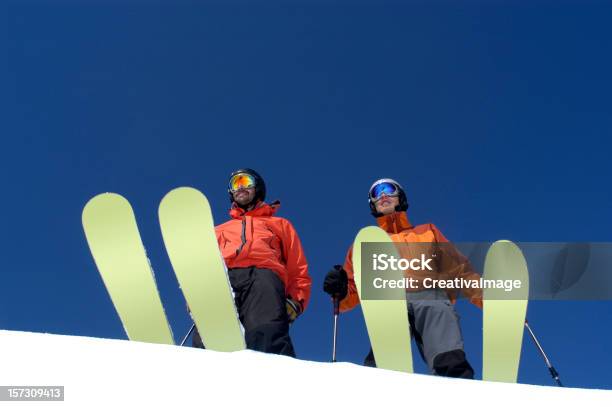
pixel 259 239
pixel 401 230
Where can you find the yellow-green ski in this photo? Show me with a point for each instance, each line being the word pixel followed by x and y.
pixel 115 244
pixel 188 230
pixel 386 320
pixel 504 313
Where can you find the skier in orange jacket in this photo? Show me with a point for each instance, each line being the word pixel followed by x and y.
pixel 433 321
pixel 266 266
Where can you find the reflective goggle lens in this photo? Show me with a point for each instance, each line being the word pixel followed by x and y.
pixel 386 188
pixel 240 181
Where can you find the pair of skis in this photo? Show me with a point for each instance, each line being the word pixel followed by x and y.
pixel 503 319
pixel 188 232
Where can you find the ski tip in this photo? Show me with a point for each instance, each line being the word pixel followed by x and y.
pixel 505 246
pixel 105 209
pixel 104 202
pixel 372 234
pixel 363 234
pixel 369 229
pixel 106 196
pixel 181 194
pixel 184 191
pixel 504 243
pixel 183 188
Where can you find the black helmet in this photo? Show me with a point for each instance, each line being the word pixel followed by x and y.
pixel 260 185
pixel 403 201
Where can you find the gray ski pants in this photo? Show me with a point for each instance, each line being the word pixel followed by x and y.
pixel 434 325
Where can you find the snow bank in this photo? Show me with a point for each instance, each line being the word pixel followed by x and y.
pixel 102 371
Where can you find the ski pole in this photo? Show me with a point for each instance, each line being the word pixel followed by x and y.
pixel 187 336
pixel 336 312
pixel 551 369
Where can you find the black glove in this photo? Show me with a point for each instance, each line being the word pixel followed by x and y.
pixel 294 309
pixel 336 282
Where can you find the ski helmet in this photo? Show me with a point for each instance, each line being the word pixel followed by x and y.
pixel 403 201
pixel 260 185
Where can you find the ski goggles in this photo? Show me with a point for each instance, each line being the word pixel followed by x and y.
pixel 386 188
pixel 241 181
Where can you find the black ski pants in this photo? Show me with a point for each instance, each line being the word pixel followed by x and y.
pixel 259 295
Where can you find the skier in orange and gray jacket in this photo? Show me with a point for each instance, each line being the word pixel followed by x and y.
pixel 433 321
pixel 266 266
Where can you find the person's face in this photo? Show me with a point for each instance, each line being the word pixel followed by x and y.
pixel 386 204
pixel 244 196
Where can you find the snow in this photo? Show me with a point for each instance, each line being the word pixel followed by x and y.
pixel 102 371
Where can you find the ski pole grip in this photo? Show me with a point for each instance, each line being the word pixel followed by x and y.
pixel 336 305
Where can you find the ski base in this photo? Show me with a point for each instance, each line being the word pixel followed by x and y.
pixel 112 234
pixel 189 236
pixel 386 320
pixel 504 319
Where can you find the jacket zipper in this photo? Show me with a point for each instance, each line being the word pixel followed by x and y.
pixel 395 223
pixel 243 237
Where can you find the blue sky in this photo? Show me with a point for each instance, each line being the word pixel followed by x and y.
pixel 496 118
